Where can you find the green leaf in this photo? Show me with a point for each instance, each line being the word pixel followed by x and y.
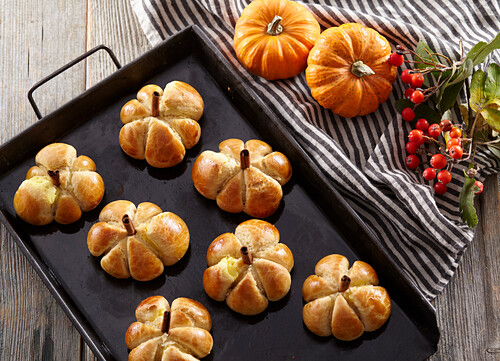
pixel 421 51
pixel 481 135
pixel 485 89
pixel 481 50
pixel 492 84
pixel 449 96
pixel 446 136
pixel 400 104
pixel 447 115
pixel 463 72
pixel 492 117
pixel 477 97
pixel 445 84
pixel 464 110
pixel 421 111
pixel 466 200
pixel 495 149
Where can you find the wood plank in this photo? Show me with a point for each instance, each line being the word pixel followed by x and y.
pixel 87 354
pixel 490 209
pixel 36 38
pixel 113 24
pixel 468 310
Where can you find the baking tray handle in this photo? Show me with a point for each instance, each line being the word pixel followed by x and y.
pixel 66 67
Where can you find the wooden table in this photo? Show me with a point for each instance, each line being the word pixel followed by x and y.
pixel 39 36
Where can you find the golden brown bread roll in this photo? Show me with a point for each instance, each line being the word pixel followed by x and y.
pixel 60 187
pixel 180 333
pixel 137 242
pixel 344 301
pixel 161 124
pixel 248 268
pixel 243 177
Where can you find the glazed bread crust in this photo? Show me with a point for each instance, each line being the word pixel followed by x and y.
pixel 248 288
pixel 161 239
pixel 345 313
pixel 162 139
pixel 187 337
pixel 73 188
pixel 255 190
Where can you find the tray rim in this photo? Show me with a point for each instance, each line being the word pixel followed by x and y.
pixel 51 282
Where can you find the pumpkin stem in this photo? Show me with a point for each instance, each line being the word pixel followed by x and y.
pixel 360 69
pixel 274 27
pixel 345 282
pixel 129 226
pixel 244 159
pixel 155 104
pixel 54 175
pixel 246 256
pixel 165 325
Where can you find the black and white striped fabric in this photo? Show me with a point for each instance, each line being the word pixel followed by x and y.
pixel 364 156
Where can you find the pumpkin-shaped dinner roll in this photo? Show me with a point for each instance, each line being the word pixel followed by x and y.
pixel 248 268
pixel 161 124
pixel 243 177
pixel 137 242
pixel 180 333
pixel 344 301
pixel 60 187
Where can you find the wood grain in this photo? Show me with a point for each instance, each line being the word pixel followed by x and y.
pixel 469 308
pixel 87 354
pixel 32 325
pixel 115 25
pixel 39 36
pixel 490 231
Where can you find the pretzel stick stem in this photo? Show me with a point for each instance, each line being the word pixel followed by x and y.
pixel 165 325
pixel 155 104
pixel 244 159
pixel 246 256
pixel 54 175
pixel 345 282
pixel 129 226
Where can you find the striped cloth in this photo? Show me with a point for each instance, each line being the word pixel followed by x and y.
pixel 364 157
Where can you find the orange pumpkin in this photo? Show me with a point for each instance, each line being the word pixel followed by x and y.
pixel 348 70
pixel 272 38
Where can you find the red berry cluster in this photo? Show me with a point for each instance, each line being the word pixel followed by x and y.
pixel 425 133
pixel 415 81
pixel 413 78
pixel 414 92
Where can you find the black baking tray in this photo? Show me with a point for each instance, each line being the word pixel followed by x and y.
pixel 313 220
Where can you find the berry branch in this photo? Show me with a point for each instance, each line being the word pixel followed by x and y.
pixel 444 140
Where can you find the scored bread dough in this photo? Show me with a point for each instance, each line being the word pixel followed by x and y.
pixel 344 301
pixel 249 268
pixel 243 177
